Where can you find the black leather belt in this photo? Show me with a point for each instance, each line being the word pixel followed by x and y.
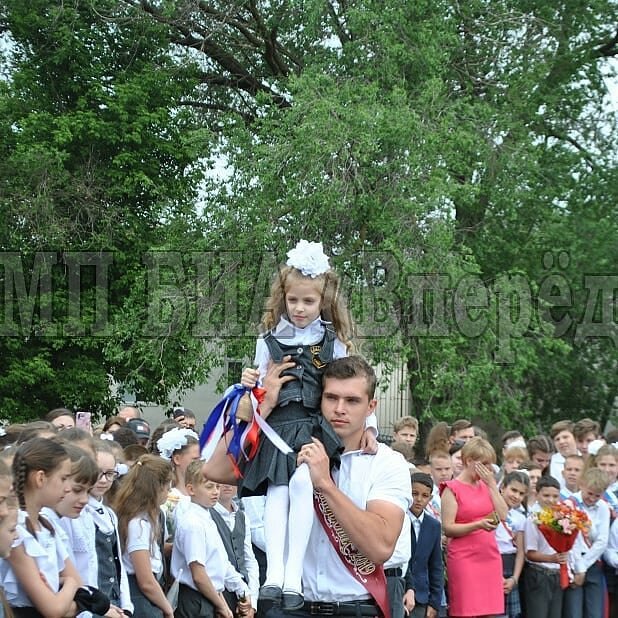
pixel 346 608
pixel 393 572
pixel 547 570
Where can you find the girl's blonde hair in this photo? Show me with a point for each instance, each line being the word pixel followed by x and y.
pixel 139 494
pixel 515 452
pixel 332 306
pixel 605 451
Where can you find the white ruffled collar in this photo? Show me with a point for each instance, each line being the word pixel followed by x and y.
pixel 286 332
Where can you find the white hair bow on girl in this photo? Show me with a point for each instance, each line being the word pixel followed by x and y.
pixel 172 440
pixel 309 258
pixel 594 446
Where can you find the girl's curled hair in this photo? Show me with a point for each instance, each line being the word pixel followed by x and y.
pixel 140 491
pixel 332 304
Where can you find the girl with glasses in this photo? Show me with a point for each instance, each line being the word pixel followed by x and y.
pixel 111 573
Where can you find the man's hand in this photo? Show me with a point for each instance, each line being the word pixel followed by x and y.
pixel 243 607
pixel 314 455
pixel 272 383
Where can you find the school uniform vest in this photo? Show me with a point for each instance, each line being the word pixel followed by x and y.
pixel 109 565
pixel 311 360
pixel 233 540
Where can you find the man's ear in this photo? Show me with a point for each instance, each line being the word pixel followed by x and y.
pixel 372 406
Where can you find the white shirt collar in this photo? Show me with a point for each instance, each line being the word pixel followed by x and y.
pixel 286 330
pixel 420 518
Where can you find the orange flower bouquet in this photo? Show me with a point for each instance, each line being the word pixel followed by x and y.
pixel 560 524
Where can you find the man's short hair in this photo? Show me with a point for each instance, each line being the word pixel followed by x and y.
pixel 585 426
pixel 130 407
pixel 460 425
pixel 405 421
pixel 352 367
pixel 559 426
pixel 423 479
pixel 611 436
pixel 540 443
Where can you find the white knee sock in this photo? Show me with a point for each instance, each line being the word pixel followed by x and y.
pixel 299 526
pixel 275 532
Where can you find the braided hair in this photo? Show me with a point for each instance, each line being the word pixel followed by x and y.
pixel 31 456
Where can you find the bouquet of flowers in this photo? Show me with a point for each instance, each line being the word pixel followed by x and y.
pixel 560 524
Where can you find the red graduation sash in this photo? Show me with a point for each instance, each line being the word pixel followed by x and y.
pixel 366 572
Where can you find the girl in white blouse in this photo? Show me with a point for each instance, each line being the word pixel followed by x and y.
pixel 142 527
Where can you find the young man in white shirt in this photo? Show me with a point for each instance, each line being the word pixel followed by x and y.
pixel 367 496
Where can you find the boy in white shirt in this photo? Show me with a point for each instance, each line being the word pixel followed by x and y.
pixel 543 593
pixel 571 474
pixel 199 559
pixel 586 594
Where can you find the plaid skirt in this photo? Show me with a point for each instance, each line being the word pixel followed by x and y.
pixel 512 602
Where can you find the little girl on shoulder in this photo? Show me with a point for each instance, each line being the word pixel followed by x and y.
pixel 306 321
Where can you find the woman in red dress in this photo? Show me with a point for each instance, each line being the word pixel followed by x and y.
pixel 472 507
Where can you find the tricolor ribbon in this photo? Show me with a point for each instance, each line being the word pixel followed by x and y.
pixel 245 439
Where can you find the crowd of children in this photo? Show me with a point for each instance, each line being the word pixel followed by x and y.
pixel 576 463
pixel 82 532
pixel 126 524
pixel 108 533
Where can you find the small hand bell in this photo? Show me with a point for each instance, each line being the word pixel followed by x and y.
pixel 244 412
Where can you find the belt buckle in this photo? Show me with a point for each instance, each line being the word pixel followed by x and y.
pixel 322 609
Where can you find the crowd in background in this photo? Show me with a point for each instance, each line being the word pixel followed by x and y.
pixel 119 509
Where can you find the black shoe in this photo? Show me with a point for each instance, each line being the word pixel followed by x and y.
pixel 292 601
pixel 270 593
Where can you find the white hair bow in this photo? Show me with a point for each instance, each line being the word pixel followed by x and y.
pixel 172 440
pixel 309 258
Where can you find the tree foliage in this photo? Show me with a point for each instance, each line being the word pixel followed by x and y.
pixel 457 159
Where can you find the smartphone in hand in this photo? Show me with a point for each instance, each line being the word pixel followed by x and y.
pixel 83 420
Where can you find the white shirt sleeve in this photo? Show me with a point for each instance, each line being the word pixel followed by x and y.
pixel 611 553
pixel 138 538
pixel 601 537
pixel 262 356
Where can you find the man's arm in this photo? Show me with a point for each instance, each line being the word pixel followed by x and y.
pixel 219 467
pixel 375 530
